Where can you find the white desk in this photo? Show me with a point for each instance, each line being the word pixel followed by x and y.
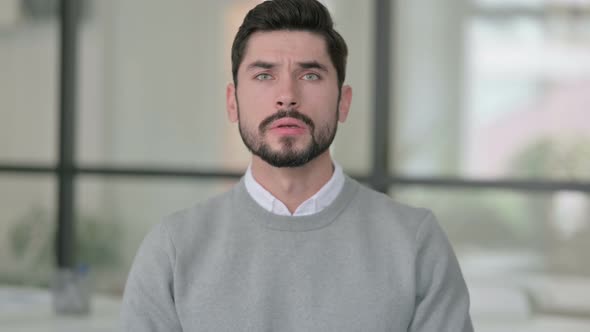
pixel 31 310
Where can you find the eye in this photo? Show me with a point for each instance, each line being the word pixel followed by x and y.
pixel 263 77
pixel 311 77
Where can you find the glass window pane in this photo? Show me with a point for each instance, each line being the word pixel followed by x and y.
pixel 27 227
pixel 114 215
pixel 427 55
pixel 528 97
pixel 501 97
pixel 154 94
pixel 354 20
pixel 28 85
pixel 532 4
pixel 523 254
pixel 511 3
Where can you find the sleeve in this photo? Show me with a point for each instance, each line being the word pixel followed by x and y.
pixel 148 300
pixel 442 299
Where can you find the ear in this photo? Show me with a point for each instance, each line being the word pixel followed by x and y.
pixel 345 100
pixel 231 104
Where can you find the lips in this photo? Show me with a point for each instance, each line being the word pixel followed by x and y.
pixel 288 123
pixel 288 127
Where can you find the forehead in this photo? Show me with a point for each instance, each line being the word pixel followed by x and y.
pixel 285 45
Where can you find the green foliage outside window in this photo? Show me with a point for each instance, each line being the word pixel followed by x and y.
pixel 28 257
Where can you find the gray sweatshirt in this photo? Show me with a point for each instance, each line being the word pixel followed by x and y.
pixel 364 263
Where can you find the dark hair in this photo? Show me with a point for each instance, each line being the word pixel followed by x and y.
pixel 304 15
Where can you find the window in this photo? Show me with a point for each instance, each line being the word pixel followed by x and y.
pixel 487 125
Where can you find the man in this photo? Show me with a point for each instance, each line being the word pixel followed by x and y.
pixel 296 245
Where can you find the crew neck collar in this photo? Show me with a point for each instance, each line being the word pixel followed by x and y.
pixel 247 206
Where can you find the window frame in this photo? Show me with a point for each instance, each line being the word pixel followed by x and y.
pixel 379 177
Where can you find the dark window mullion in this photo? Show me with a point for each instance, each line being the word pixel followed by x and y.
pixel 382 71
pixel 65 237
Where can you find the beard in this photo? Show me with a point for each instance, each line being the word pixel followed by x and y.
pixel 288 155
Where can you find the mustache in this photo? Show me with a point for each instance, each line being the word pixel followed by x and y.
pixel 289 113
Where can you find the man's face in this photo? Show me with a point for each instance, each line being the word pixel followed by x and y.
pixel 287 101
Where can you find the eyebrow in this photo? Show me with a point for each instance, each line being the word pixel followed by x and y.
pixel 312 65
pixel 261 64
pixel 269 65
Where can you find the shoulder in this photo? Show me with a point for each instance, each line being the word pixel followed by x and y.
pixel 201 210
pixel 406 227
pixel 383 209
pixel 410 227
pixel 201 220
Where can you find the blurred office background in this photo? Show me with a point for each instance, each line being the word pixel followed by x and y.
pixel 477 109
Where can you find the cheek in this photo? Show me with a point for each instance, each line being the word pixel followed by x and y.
pixel 323 102
pixel 252 109
pixel 320 95
pixel 254 95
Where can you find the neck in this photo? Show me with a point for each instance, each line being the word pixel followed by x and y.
pixel 293 185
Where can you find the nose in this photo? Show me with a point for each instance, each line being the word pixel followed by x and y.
pixel 287 96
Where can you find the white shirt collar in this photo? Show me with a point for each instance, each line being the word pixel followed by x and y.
pixel 316 203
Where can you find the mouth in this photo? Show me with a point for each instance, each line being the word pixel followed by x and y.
pixel 288 123
pixel 288 126
pixel 287 119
